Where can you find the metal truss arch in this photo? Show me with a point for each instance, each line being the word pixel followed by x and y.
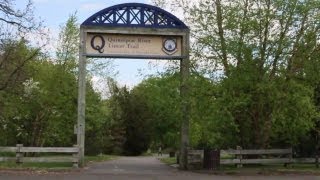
pixel 134 15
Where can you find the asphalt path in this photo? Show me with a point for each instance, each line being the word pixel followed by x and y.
pixel 137 168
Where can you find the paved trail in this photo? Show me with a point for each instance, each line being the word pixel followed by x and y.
pixel 138 168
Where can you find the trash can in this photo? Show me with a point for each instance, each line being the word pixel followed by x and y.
pixel 178 157
pixel 211 159
pixel 172 154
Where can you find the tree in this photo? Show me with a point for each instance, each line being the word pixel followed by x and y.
pixel 15 24
pixel 68 45
pixel 137 123
pixel 14 60
pixel 14 56
pixel 258 52
pixel 162 99
pixel 130 118
pixel 22 20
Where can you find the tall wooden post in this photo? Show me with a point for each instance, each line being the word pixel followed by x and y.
pixel 185 103
pixel 81 99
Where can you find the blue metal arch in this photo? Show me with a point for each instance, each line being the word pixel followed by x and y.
pixel 134 15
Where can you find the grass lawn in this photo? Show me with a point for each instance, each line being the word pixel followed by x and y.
pixel 53 165
pixel 258 169
pixel 99 158
pixel 169 160
pixel 37 166
pixel 267 169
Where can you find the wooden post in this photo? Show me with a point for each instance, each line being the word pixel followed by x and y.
pixel 19 154
pixel 290 159
pixel 185 105
pixel 75 155
pixel 317 152
pixel 291 155
pixel 239 156
pixel 317 156
pixel 81 99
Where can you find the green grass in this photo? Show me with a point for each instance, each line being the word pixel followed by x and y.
pixel 169 160
pixel 36 166
pixel 99 158
pixel 269 169
pixel 147 153
pixel 53 165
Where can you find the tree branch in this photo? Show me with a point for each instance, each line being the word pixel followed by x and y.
pixel 265 36
pixel 13 23
pixel 242 28
pixel 221 36
pixel 281 38
pixel 16 70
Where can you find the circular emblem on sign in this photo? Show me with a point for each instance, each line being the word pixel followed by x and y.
pixel 170 45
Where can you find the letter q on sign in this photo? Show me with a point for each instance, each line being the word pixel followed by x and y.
pixel 98 45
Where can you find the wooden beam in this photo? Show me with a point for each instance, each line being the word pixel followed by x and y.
pixel 229 161
pixel 266 161
pixel 8 149
pixel 257 151
pixel 185 102
pixel 50 149
pixel 5 159
pixel 81 98
pixel 50 159
pixel 304 160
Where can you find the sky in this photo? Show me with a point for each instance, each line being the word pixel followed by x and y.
pixel 55 13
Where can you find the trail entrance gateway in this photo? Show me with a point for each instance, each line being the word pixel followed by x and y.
pixel 141 31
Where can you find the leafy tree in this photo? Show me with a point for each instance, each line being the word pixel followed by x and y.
pixel 97 137
pixel 14 25
pixel 11 82
pixel 162 97
pixel 130 118
pixel 14 56
pixel 258 52
pixel 68 45
pixel 137 123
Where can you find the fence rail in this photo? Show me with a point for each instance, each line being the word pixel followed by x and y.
pixel 261 156
pixel 20 151
pixel 257 151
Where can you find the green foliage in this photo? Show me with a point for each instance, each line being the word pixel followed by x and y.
pixel 255 82
pixel 169 160
pixel 44 111
pixel 68 45
pixel 39 108
pixel 130 126
pixel 162 97
pixel 263 57
pixel 97 139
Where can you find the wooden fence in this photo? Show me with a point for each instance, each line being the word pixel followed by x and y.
pixel 269 156
pixel 262 156
pixel 19 150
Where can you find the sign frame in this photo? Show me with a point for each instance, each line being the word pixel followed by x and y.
pixel 165 32
pixel 136 19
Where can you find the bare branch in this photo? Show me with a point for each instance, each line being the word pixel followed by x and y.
pixel 18 67
pixel 221 35
pixel 281 39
